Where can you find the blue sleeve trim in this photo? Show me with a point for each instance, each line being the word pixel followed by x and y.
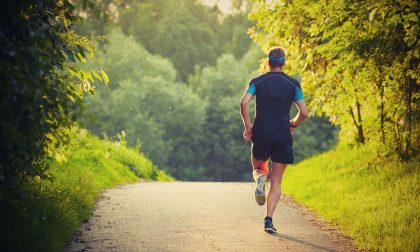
pixel 298 95
pixel 251 89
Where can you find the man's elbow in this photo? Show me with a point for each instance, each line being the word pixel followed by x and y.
pixel 304 113
pixel 243 104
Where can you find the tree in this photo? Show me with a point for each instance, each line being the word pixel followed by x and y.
pixel 41 85
pixel 186 41
pixel 357 59
pixel 192 129
pixel 227 154
pixel 161 116
pixel 185 31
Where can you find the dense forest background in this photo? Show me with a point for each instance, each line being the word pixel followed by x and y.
pixel 165 78
pixel 174 72
pixel 177 70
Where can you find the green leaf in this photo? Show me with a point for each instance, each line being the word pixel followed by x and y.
pixel 71 98
pixel 395 19
pixel 411 17
pixel 372 14
pixel 89 76
pixel 97 75
pixel 104 77
pixel 80 57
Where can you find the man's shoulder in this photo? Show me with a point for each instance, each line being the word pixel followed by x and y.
pixel 292 80
pixel 259 78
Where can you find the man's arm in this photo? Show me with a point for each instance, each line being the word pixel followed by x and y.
pixel 244 108
pixel 302 113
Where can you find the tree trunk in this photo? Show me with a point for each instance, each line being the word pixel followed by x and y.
pixel 358 123
pixel 408 114
pixel 360 128
pixel 382 107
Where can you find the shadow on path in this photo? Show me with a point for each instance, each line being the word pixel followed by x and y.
pixel 293 239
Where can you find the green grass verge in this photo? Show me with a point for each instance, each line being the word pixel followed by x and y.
pixel 375 200
pixel 48 219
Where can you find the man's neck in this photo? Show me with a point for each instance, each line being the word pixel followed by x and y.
pixel 277 69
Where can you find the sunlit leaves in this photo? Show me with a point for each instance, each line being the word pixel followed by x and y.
pixel 372 14
pixel 352 52
pixel 43 80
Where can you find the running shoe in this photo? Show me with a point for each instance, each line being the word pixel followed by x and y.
pixel 268 227
pixel 260 190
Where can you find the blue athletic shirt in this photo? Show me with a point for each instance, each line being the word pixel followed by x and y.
pixel 275 92
pixel 298 94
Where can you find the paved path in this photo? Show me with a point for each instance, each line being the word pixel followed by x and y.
pixel 187 216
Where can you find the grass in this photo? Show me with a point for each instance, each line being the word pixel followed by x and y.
pixel 48 219
pixel 375 200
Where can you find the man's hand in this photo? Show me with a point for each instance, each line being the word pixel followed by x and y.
pixel 292 130
pixel 248 134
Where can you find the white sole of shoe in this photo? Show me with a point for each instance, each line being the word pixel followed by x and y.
pixel 270 230
pixel 260 190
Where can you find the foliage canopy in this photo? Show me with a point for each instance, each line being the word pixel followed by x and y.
pixel 359 61
pixel 191 128
pixel 41 85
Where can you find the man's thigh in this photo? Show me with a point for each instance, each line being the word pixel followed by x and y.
pixel 261 153
pixel 282 152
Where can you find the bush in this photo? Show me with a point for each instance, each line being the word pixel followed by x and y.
pixel 52 211
pixel 41 85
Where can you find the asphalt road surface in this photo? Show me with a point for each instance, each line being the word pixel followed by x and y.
pixel 189 216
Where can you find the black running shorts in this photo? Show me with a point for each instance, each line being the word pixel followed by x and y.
pixel 278 151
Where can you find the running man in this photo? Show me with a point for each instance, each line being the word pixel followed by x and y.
pixel 271 133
